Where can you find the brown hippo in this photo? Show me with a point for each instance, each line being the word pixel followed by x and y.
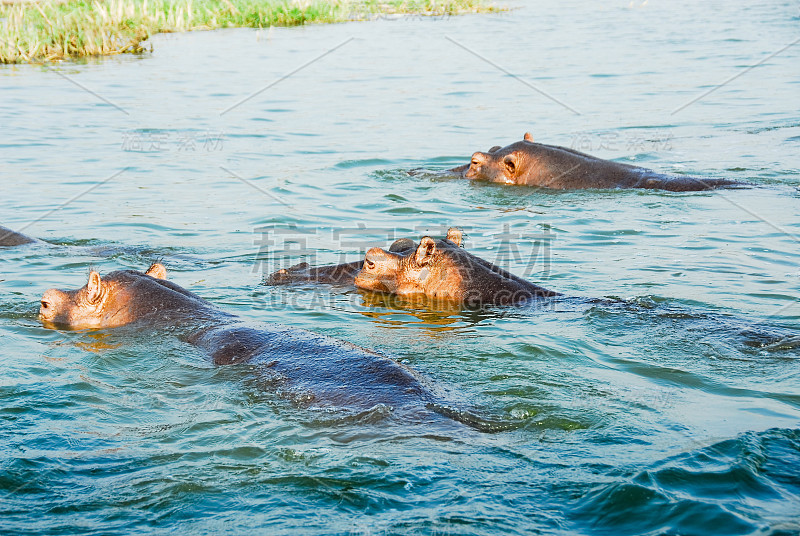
pixel 334 274
pixel 13 238
pixel 527 163
pixel 308 368
pixel 442 270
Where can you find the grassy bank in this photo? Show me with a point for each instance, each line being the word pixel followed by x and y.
pixel 50 30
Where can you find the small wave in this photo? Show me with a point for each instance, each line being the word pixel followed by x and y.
pixel 371 416
pixel 482 424
pixel 735 486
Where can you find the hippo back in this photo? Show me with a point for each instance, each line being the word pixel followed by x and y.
pixel 13 238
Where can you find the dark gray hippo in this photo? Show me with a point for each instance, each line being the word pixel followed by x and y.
pixel 13 238
pixel 527 163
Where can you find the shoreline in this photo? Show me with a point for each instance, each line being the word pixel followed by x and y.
pixel 39 31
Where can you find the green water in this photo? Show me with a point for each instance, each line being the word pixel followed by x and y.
pixel 676 411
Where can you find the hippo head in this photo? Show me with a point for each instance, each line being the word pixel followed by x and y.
pixel 117 299
pixel 503 165
pixel 426 270
pixel 441 269
pixel 435 268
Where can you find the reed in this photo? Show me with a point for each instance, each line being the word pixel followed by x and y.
pixel 51 30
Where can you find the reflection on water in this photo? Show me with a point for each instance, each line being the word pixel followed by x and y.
pixel 429 314
pixel 661 397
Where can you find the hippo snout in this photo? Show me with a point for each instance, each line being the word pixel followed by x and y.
pixel 379 271
pixel 53 305
pixel 475 165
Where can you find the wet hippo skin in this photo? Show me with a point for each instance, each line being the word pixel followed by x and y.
pixel 306 367
pixel 527 163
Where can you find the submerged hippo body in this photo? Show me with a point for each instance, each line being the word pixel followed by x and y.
pixel 442 270
pixel 13 238
pixel 527 163
pixel 334 274
pixel 306 367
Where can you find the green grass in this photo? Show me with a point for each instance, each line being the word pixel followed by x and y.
pixel 52 30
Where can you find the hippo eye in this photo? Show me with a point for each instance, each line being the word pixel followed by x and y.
pixel 475 162
pixel 370 264
pixel 45 304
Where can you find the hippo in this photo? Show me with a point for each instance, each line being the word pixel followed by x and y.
pixel 334 274
pixel 527 163
pixel 13 238
pixel 443 270
pixel 310 369
pixel 472 280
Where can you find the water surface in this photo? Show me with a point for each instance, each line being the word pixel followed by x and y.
pixel 674 412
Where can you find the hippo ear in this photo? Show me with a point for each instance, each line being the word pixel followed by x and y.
pixel 454 235
pixel 510 164
pixel 94 287
pixel 425 251
pixel 157 270
pixel 528 137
